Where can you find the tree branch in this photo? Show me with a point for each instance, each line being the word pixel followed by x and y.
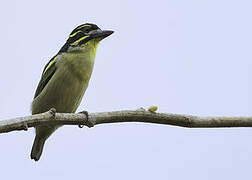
pixel 53 118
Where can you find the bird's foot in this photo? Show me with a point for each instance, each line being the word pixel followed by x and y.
pixel 89 123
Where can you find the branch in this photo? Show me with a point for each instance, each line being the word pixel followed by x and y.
pixel 53 118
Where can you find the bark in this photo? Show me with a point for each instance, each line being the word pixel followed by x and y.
pixel 141 115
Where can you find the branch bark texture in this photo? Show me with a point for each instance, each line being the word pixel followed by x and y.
pixel 53 118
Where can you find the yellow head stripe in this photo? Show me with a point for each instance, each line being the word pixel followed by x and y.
pixel 85 25
pixel 76 42
pixel 50 64
pixel 72 35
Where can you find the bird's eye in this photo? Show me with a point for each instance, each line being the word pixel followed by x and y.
pixel 92 31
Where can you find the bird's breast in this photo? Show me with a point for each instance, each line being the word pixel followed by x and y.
pixel 79 65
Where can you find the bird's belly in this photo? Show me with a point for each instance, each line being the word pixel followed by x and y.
pixel 63 93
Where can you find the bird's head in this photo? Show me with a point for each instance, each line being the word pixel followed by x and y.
pixel 84 34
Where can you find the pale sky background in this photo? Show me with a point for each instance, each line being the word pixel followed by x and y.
pixel 190 57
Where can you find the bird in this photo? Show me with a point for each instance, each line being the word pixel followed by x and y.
pixel 65 79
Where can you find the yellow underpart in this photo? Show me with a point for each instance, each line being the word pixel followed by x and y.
pixel 72 35
pixel 50 64
pixel 76 42
pixel 85 25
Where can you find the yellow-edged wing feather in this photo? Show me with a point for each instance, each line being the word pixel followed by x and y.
pixel 47 74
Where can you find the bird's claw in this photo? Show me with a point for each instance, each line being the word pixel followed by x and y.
pixel 89 124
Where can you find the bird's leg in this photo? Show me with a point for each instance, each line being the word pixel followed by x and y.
pixel 89 124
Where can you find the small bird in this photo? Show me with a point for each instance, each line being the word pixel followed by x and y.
pixel 65 79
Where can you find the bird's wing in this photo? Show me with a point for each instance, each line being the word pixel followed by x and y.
pixel 47 74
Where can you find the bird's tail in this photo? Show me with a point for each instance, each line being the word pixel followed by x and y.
pixel 37 147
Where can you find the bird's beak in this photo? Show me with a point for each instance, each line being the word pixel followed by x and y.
pixel 99 34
